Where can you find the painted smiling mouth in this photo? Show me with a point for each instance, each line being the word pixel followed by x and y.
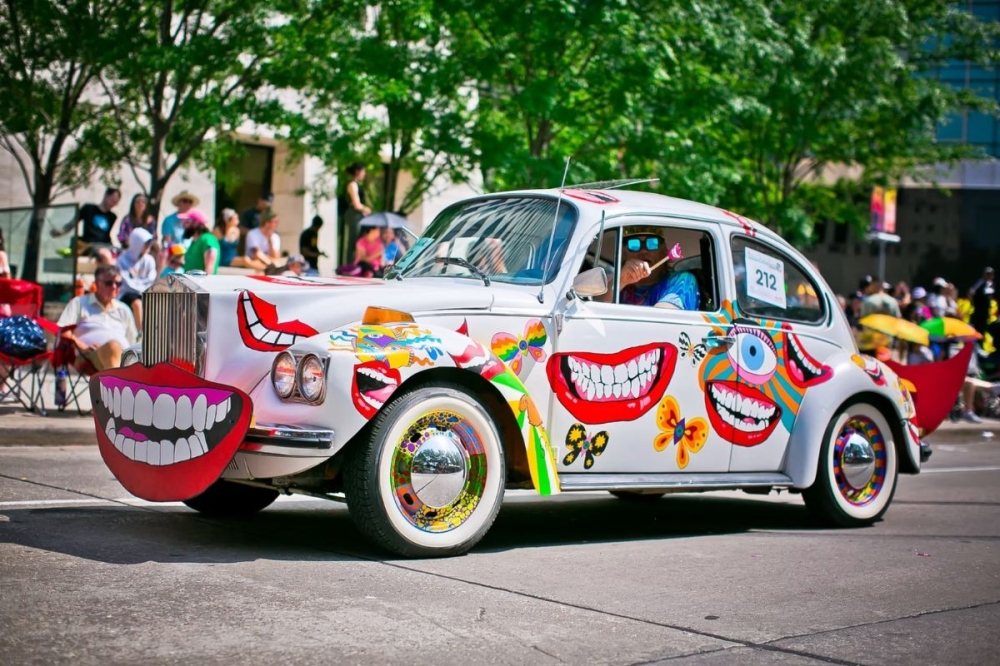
pixel 374 384
pixel 260 329
pixel 476 358
pixel 158 426
pixel 804 370
pixel 599 388
pixel 745 412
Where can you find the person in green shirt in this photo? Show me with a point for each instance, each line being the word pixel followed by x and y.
pixel 203 254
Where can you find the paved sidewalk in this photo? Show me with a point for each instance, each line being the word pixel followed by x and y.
pixel 21 428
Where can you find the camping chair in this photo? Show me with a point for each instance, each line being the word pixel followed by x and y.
pixel 66 358
pixel 23 377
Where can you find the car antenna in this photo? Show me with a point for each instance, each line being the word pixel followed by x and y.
pixel 555 223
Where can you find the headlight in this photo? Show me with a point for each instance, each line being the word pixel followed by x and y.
pixel 129 358
pixel 311 378
pixel 283 375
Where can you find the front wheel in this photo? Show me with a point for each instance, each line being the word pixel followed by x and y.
pixel 429 480
pixel 234 500
pixel 857 469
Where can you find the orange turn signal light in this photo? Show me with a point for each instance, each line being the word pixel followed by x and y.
pixel 375 316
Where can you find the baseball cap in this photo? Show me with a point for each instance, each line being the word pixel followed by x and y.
pixel 919 292
pixel 865 281
pixel 177 250
pixel 298 259
pixel 195 215
pixel 940 282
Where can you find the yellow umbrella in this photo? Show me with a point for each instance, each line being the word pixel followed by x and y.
pixel 949 327
pixel 897 328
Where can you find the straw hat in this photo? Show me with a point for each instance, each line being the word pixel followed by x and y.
pixel 184 194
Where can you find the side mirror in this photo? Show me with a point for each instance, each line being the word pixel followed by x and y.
pixel 591 282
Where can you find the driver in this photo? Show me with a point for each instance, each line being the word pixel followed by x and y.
pixel 660 287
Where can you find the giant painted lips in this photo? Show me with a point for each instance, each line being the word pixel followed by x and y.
pixel 165 433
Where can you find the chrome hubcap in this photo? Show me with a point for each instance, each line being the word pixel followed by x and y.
pixel 859 460
pixel 438 470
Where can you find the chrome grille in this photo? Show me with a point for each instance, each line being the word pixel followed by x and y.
pixel 173 329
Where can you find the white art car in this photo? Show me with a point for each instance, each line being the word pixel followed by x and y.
pixel 562 340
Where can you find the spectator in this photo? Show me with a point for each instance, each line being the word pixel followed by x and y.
pixel 369 251
pixel 951 298
pixel 251 217
pixel 5 271
pixel 263 245
pixel 309 242
pixel 136 218
pixel 393 247
pixel 296 266
pixel 172 230
pixel 877 301
pixel 982 294
pixel 98 323
pixel 228 236
pixel 937 302
pixel 853 309
pixel 95 241
pixel 902 295
pixel 138 271
pixel 351 206
pixel 175 261
pixel 917 310
pixel 203 253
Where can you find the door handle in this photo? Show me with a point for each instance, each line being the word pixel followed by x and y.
pixel 716 341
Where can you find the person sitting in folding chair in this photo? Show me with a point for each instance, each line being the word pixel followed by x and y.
pixel 99 325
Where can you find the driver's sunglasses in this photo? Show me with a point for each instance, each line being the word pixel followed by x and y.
pixel 111 283
pixel 636 243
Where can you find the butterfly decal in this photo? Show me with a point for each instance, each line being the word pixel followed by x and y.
pixel 688 434
pixel 694 352
pixel 579 443
pixel 512 349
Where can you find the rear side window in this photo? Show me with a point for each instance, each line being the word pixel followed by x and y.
pixel 771 285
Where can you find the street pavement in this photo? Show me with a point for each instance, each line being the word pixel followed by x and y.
pixel 89 575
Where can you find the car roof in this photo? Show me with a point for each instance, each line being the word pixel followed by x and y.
pixel 634 202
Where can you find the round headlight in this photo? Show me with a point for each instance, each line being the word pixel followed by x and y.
pixel 311 378
pixel 283 375
pixel 129 358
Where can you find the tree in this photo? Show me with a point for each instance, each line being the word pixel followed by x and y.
pixel 51 52
pixel 189 73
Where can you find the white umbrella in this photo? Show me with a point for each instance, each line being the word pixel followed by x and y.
pixel 383 219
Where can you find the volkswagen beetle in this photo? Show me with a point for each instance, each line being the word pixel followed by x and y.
pixel 514 345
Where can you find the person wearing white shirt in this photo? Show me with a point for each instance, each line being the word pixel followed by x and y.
pixel 99 324
pixel 263 246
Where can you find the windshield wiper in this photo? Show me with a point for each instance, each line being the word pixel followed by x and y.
pixel 458 261
pixel 393 272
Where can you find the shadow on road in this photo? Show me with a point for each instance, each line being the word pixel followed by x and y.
pixel 129 535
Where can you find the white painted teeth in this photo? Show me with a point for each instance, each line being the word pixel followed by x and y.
pixel 378 376
pixel 262 333
pixel 614 382
pixel 801 358
pixel 135 409
pixel 741 412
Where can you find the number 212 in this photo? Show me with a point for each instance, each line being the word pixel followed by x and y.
pixel 766 280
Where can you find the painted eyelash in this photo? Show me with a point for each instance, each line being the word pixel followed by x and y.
pixel 737 328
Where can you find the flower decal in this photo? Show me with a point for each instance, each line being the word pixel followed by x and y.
pixel 579 443
pixel 688 434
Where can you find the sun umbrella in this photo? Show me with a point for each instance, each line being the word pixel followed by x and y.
pixel 383 219
pixel 949 327
pixel 897 328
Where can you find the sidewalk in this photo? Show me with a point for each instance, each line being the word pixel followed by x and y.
pixel 21 428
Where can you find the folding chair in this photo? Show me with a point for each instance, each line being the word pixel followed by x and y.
pixel 65 358
pixel 22 378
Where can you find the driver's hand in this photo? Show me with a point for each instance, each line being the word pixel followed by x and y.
pixel 634 271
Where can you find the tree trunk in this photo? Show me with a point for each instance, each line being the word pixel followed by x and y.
pixel 40 203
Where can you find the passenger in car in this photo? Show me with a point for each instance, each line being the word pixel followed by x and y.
pixel 643 282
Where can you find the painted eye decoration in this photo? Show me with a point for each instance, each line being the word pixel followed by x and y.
pixel 753 354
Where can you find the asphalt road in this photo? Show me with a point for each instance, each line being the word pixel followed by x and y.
pixel 88 576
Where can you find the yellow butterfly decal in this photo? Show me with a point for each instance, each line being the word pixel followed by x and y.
pixel 688 434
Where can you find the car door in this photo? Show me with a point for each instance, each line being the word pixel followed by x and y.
pixel 627 378
pixel 777 331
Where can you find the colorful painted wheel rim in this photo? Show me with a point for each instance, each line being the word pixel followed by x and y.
pixel 439 471
pixel 859 461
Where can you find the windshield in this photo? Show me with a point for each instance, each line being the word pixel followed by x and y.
pixel 506 239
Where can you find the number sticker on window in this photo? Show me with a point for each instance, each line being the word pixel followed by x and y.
pixel 765 278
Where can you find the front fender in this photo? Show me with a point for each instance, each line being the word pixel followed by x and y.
pixel 853 375
pixel 369 362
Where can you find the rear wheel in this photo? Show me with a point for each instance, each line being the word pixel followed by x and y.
pixel 429 480
pixel 857 471
pixel 226 498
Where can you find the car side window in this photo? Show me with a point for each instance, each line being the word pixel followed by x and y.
pixel 682 262
pixel 771 285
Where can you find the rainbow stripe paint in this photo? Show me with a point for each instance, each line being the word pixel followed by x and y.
pixel 867 429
